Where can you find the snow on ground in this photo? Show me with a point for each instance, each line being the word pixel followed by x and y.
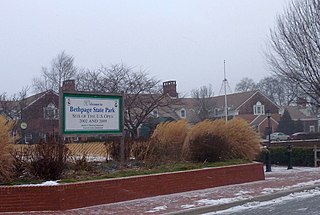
pixel 251 205
pixel 46 183
pixel 303 184
pixel 220 201
pixel 157 209
pixel 283 169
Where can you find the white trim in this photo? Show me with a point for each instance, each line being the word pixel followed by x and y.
pixel 246 100
pixel 258 106
pixel 255 119
pixel 185 113
pixel 44 93
pixel 270 119
pixel 257 91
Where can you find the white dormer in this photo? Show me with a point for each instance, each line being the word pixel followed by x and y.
pixel 50 112
pixel 258 109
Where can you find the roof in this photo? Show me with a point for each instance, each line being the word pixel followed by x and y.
pixel 234 100
pixel 29 100
pixel 298 112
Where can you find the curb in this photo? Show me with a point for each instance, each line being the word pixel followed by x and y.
pixel 261 198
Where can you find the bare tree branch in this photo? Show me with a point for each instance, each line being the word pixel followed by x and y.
pixel 295 47
pixel 204 102
pixel 62 68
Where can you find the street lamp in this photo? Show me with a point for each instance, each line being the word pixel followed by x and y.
pixel 268 157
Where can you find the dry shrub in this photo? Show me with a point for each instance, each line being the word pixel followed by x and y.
pixel 6 159
pixel 244 140
pixel 167 141
pixel 21 164
pixel 113 150
pixel 207 141
pixel 81 163
pixel 48 160
pixel 139 150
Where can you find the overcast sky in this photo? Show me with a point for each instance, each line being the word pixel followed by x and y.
pixel 182 40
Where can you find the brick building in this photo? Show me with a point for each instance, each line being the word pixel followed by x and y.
pixel 39 118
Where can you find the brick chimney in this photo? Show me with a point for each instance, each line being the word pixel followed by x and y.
pixel 170 88
pixel 69 86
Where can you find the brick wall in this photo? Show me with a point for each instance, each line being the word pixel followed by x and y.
pixel 76 195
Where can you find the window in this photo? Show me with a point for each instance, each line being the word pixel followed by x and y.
pixel 216 111
pixel 51 112
pixel 28 138
pixel 183 113
pixel 258 109
pixel 312 128
pixel 155 113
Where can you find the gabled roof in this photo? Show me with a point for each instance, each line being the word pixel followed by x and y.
pixel 236 100
pixel 296 113
pixel 32 99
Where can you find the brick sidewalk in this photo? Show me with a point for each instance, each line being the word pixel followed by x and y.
pixel 279 180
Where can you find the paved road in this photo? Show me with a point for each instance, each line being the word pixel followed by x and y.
pixel 304 204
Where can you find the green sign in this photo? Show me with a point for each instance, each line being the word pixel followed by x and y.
pixel 92 114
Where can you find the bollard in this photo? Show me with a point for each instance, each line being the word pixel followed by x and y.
pixel 289 148
pixel 268 160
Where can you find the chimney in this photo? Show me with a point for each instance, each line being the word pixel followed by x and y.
pixel 69 86
pixel 170 88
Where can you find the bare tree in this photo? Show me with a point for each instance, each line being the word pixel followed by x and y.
pixel 204 103
pixel 12 106
pixel 62 68
pixel 89 81
pixel 278 89
pixel 246 84
pixel 295 47
pixel 142 93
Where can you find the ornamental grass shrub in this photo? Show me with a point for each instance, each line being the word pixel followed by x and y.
pixel 243 139
pixel 218 141
pixel 166 142
pixel 6 160
pixel 207 141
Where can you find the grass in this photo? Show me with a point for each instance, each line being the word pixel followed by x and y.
pixel 24 181
pixel 136 172
pixel 158 169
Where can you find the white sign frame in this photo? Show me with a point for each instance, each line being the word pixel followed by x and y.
pixel 92 114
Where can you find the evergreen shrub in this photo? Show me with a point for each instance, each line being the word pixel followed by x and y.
pixel 300 156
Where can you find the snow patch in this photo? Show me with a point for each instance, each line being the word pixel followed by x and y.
pixel 302 184
pixel 46 183
pixel 242 192
pixel 220 201
pixel 187 206
pixel 256 204
pixel 157 209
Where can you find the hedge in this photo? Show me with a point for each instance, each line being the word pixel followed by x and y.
pixel 300 156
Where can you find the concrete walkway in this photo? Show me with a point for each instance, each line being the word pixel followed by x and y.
pixel 278 183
